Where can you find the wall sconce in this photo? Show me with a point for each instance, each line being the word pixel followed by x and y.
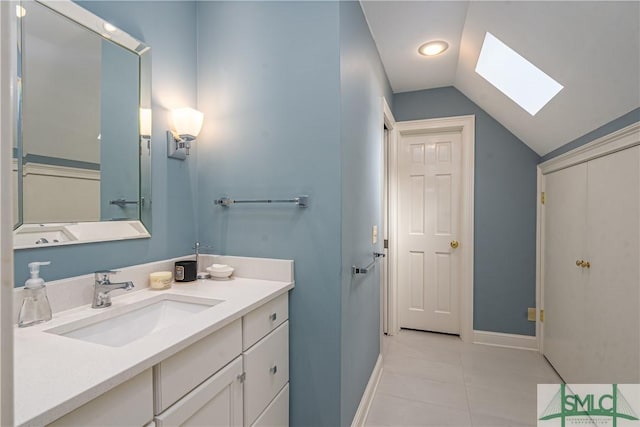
pixel 187 123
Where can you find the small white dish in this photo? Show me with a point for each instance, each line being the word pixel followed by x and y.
pixel 220 273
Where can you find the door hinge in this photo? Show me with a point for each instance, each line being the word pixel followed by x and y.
pixel 242 377
pixel 542 315
pixel 542 197
pixel 386 244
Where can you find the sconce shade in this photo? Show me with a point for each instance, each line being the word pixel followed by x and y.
pixel 145 122
pixel 187 122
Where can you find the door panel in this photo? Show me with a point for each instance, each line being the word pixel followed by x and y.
pixel 612 291
pixel 429 204
pixel 592 320
pixel 565 223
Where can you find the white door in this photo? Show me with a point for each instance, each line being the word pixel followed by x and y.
pixel 564 312
pixel 612 289
pixel 429 216
pixel 592 310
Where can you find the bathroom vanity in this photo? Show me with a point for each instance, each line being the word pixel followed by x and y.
pixel 201 353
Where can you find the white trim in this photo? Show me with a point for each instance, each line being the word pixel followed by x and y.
pixel 498 339
pixel 387 115
pixel 60 171
pixel 621 139
pixel 466 126
pixel 8 79
pixel 626 137
pixel 80 232
pixel 539 260
pixel 367 397
pixel 394 323
pixel 94 23
pixel 392 194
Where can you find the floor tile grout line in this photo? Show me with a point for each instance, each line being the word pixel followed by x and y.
pixel 422 402
pixel 467 359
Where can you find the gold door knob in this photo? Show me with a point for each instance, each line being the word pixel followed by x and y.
pixel 454 244
pixel 579 263
pixel 586 264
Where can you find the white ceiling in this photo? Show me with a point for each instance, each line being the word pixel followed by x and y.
pixel 592 48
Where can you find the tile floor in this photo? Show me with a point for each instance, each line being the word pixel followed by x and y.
pixel 436 380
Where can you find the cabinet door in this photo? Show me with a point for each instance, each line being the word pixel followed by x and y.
pixel 277 413
pixel 216 402
pixel 176 376
pixel 564 243
pixel 128 404
pixel 612 288
pixel 267 368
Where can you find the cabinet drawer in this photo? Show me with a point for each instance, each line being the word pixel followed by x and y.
pixel 182 372
pixel 129 404
pixel 264 319
pixel 277 413
pixel 216 402
pixel 267 368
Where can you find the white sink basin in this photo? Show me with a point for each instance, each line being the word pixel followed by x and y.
pixel 119 326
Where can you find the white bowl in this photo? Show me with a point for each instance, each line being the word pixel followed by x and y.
pixel 220 273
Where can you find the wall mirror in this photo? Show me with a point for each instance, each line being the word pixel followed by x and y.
pixel 82 155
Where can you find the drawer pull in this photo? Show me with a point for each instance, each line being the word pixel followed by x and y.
pixel 273 369
pixel 273 317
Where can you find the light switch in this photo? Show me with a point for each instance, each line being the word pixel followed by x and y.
pixel 374 234
pixel 531 314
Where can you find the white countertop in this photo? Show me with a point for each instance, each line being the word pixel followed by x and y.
pixel 55 375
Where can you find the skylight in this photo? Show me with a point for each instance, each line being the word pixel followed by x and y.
pixel 527 85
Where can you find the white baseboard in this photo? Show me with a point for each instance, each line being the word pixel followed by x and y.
pixel 498 339
pixel 367 396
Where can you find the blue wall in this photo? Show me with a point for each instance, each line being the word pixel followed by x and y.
pixel 119 106
pixel 268 84
pixel 614 125
pixel 168 27
pixel 363 83
pixel 505 211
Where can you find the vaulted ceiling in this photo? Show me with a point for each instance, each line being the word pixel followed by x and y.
pixel 592 48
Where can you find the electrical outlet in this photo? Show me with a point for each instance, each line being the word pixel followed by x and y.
pixel 531 314
pixel 374 234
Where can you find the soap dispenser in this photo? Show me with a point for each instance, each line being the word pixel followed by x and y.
pixel 35 304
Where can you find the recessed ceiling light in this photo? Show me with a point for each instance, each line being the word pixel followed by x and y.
pixel 527 85
pixel 20 11
pixel 109 27
pixel 432 48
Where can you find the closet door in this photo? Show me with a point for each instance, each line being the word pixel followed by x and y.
pixel 612 288
pixel 565 225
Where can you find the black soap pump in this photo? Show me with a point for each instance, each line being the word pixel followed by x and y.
pixel 35 304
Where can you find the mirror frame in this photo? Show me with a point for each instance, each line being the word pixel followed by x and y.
pixel 98 231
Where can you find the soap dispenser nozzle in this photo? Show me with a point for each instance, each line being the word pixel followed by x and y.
pixel 34 268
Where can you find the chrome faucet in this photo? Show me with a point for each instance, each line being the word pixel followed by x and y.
pixel 103 286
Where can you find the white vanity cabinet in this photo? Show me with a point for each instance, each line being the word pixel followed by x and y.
pixel 128 404
pixel 237 376
pixel 266 362
pixel 216 402
pixel 179 374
